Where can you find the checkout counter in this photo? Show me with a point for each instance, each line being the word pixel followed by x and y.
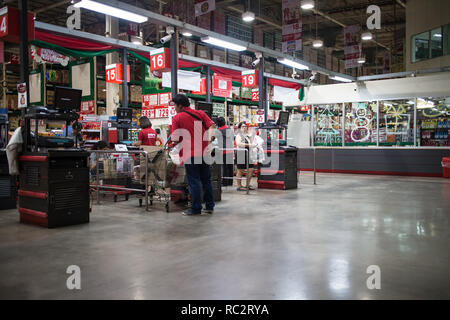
pixel 54 172
pixel 281 170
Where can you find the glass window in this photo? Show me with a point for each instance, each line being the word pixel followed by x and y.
pixel 433 122
pixel 396 123
pixel 436 43
pixel 420 46
pixel 360 124
pixel 328 125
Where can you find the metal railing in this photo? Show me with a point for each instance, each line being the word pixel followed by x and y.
pixel 98 186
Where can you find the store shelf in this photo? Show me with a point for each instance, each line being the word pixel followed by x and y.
pixel 90 130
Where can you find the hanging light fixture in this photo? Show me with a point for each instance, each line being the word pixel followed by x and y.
pixel 361 60
pixel 317 43
pixel 110 10
pixel 307 4
pixel 248 16
pixel 366 36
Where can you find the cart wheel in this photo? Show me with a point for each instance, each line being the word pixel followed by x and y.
pixel 167 207
pixel 140 202
pixel 115 198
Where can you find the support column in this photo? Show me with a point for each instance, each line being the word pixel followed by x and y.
pixel 112 89
pixel 23 46
pixel 208 84
pixel 125 79
pixel 174 63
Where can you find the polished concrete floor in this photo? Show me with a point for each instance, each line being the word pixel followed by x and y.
pixel 312 243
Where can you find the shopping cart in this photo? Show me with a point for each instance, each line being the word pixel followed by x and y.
pixel 162 174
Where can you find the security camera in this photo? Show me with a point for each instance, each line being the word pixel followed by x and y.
pixel 313 76
pixel 255 63
pixel 166 39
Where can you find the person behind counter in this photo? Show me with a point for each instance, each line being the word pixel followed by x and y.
pixel 147 136
pixel 244 141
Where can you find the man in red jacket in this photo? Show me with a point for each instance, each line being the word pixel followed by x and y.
pixel 189 127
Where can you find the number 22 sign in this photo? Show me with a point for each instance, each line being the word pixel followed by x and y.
pixel 160 59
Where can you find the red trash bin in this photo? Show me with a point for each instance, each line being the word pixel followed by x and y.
pixel 446 167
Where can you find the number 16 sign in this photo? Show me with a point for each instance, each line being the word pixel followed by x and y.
pixel 160 59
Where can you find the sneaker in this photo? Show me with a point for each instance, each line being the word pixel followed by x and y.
pixel 190 213
pixel 206 211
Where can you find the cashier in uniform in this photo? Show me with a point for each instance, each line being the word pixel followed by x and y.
pixel 147 136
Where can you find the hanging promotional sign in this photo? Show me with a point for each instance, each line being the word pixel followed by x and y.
pixel 187 80
pixel 42 55
pixel 352 46
pixel 202 90
pixel 222 86
pixel 87 107
pixel 114 73
pixel 204 6
pixel 160 59
pixel 156 99
pixel 259 116
pixel 255 95
pixel 22 95
pixel 9 24
pixel 292 26
pixel 250 78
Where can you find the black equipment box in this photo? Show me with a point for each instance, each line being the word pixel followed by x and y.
pixel 285 176
pixel 8 186
pixel 54 188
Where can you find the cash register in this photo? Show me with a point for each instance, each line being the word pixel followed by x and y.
pixel 54 171
pixel 284 176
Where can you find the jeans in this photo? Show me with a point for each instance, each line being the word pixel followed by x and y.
pixel 199 177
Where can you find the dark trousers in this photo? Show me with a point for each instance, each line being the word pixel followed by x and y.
pixel 227 169
pixel 199 177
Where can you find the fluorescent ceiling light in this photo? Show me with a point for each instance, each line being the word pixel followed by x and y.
pixel 366 36
pixel 341 79
pixel 437 35
pixel 223 44
pixel 410 102
pixel 307 4
pixel 111 11
pixel 317 43
pixel 293 64
pixel 248 16
pixel 186 33
pixel 362 60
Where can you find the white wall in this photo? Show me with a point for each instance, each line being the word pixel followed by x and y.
pixel 436 85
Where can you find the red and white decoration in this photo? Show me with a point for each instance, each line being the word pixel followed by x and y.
pixel 292 26
pixel 42 55
pixel 352 46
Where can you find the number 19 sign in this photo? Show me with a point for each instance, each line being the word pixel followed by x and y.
pixel 160 59
pixel 250 78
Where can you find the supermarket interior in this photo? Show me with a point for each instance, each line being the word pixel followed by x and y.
pixel 327 123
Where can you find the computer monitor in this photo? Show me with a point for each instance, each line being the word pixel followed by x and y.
pixel 206 107
pixel 124 114
pixel 67 99
pixel 283 118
